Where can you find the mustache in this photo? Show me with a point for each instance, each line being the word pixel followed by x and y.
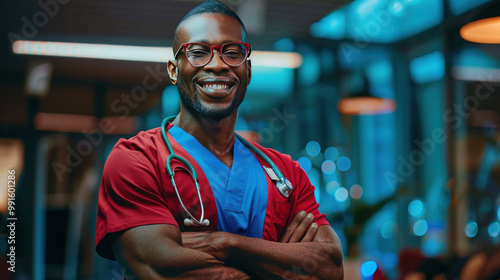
pixel 215 76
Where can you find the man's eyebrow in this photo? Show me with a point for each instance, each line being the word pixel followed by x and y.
pixel 230 41
pixel 208 43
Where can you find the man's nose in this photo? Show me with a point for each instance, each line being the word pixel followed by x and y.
pixel 216 62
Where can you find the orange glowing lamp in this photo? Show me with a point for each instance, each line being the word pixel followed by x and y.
pixel 485 31
pixel 366 105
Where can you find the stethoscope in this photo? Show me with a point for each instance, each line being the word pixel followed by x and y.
pixel 283 185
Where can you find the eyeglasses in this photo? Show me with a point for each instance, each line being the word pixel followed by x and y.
pixel 200 54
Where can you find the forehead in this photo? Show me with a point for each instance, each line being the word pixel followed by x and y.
pixel 210 28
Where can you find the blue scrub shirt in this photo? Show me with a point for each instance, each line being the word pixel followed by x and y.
pixel 240 191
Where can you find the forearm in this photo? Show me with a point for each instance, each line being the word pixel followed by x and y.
pixel 216 272
pixel 182 263
pixel 156 252
pixel 302 253
pixel 213 271
pixel 273 260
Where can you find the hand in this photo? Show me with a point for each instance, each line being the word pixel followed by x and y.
pixel 301 229
pixel 215 243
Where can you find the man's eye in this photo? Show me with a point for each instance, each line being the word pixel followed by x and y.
pixel 233 53
pixel 197 53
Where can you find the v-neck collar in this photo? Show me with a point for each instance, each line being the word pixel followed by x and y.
pixel 194 147
pixel 240 192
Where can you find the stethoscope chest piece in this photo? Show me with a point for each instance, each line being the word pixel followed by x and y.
pixel 284 186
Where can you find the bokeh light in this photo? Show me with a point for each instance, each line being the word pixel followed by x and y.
pixel 328 167
pixel 332 186
pixel 416 208
pixel 343 163
pixel 305 163
pixel 494 229
pixel 471 229
pixel 397 8
pixel 420 227
pixel 368 268
pixel 341 194
pixel 313 148
pixel 332 153
pixel 356 191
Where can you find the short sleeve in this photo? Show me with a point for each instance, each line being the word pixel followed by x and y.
pixel 129 196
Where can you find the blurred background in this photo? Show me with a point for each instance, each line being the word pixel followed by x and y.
pixel 392 107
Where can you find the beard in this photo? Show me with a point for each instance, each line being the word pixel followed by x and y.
pixel 196 107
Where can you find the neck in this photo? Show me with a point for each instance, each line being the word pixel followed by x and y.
pixel 217 136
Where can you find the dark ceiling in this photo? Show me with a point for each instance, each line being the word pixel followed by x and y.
pixel 128 22
pixel 131 22
pixel 74 82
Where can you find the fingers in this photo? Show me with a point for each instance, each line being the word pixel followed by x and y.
pixel 285 237
pixel 311 232
pixel 298 228
pixel 301 230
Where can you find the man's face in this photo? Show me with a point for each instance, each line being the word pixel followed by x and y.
pixel 215 90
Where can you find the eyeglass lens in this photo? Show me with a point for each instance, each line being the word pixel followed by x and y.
pixel 232 54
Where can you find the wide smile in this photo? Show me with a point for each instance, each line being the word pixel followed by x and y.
pixel 216 87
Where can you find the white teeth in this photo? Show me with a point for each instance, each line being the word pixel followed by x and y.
pixel 215 86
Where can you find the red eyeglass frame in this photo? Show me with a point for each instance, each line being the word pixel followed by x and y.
pixel 248 49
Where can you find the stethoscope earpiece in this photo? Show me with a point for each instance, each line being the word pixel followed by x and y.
pixel 189 222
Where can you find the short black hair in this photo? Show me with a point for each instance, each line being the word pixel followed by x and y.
pixel 212 7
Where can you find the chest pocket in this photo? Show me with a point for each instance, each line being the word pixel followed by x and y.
pixel 281 214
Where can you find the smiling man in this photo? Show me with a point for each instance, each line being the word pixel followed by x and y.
pixel 248 227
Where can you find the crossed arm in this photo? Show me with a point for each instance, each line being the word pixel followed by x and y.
pixel 304 251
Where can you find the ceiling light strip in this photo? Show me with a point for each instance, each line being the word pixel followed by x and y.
pixel 138 53
pixel 98 51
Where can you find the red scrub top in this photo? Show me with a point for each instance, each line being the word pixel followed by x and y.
pixel 136 190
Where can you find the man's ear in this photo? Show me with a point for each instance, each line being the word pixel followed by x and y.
pixel 172 71
pixel 249 71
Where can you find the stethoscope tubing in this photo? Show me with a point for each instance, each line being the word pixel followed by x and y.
pixel 171 174
pixel 283 184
